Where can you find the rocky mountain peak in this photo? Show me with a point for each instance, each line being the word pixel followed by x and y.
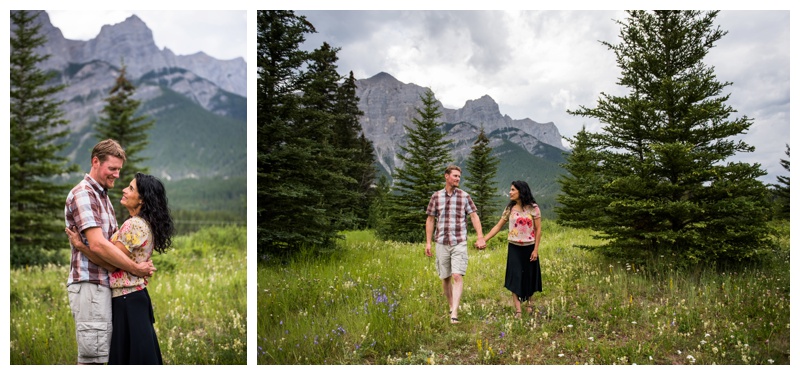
pixel 131 42
pixel 389 105
pixel 383 78
pixel 131 25
pixel 483 111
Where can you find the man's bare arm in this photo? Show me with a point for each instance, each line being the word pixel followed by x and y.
pixel 75 241
pixel 429 223
pixel 100 247
pixel 480 243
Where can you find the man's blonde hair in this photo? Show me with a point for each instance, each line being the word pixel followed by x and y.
pixel 103 149
pixel 451 168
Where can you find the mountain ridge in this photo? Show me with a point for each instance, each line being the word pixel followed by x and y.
pixel 200 120
pixel 527 149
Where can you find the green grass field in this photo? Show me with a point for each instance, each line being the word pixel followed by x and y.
pixel 199 296
pixel 373 302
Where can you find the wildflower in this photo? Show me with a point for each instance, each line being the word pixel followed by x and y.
pixel 502 334
pixel 690 358
pixel 770 361
pixel 591 338
pixel 560 354
pixel 340 330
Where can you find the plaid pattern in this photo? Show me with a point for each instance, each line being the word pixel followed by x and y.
pixel 451 213
pixel 88 206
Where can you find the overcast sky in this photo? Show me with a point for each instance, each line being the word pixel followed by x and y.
pixel 538 64
pixel 221 33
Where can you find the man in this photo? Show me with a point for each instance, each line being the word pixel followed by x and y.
pixel 449 209
pixel 89 211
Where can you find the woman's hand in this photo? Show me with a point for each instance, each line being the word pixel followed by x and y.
pixel 534 255
pixel 75 238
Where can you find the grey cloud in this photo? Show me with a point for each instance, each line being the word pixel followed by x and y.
pixel 550 61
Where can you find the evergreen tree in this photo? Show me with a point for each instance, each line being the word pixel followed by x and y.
pixel 333 150
pixel 662 150
pixel 480 180
pixel 37 124
pixel 582 195
pixel 782 190
pixel 120 122
pixel 287 195
pixel 424 158
pixel 351 141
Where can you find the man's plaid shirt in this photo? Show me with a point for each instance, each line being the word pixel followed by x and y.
pixel 451 213
pixel 88 206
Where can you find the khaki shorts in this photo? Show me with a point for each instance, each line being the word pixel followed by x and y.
pixel 91 309
pixel 451 259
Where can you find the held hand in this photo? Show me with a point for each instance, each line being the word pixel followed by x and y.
pixel 480 244
pixel 428 250
pixel 145 269
pixel 74 237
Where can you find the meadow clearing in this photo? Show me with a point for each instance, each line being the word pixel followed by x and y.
pixel 199 296
pixel 374 302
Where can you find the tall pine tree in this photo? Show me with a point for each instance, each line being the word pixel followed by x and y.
pixel 425 158
pixel 349 138
pixel 37 125
pixel 120 122
pixel 582 197
pixel 332 149
pixel 663 149
pixel 287 199
pixel 480 180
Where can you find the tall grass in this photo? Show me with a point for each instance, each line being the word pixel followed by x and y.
pixel 199 300
pixel 373 302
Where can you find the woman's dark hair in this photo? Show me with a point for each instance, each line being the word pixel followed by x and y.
pixel 155 210
pixel 525 195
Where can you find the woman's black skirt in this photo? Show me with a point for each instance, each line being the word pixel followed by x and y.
pixel 523 277
pixel 133 341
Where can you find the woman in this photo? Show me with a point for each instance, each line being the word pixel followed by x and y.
pixel 523 275
pixel 148 228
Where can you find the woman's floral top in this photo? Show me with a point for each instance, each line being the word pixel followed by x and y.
pixel 521 224
pixel 135 234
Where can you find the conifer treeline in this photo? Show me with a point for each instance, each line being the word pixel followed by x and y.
pixel 315 168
